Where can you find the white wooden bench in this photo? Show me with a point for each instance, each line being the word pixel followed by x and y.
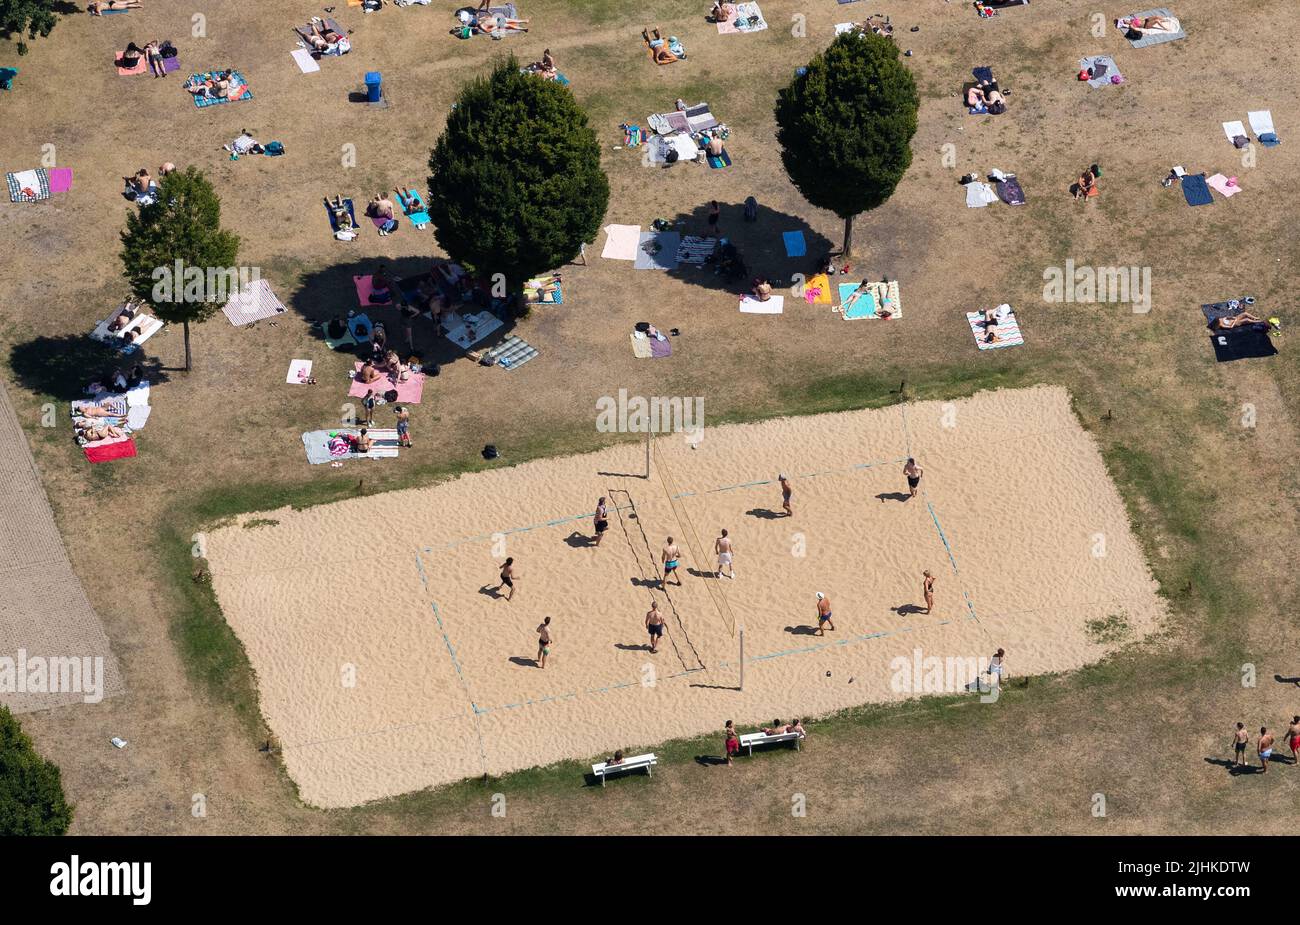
pixel 750 739
pixel 627 764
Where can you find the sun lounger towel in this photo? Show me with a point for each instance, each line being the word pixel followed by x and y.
pixel 978 195
pixel 107 450
pixel 1009 191
pixel 1105 71
pixel 317 445
pixel 773 306
pixel 1261 123
pixel 28 185
pixel 204 102
pixel 467 329
pixel 657 250
pixel 366 292
pixel 306 63
pixel 415 211
pixel 511 353
pixel 1196 190
pixel 621 242
pixel 1225 186
pixel 842 2
pixel 1008 331
pixel 255 302
pixel 1242 344
pixel 60 179
pixel 1213 311
pixel 854 304
pixel 299 372
pixel 408 392
pixel 141 65
pixel 695 250
pixel 1154 38
pixel 138 397
pixel 1004 4
pixel 817 290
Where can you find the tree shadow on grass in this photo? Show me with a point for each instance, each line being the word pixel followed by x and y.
pixel 760 244
pixel 62 367
pixel 332 292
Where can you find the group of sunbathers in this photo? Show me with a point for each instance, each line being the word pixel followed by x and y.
pixel 216 85
pixel 987 96
pixel 104 417
pixel 663 50
pixel 154 52
pixel 877 24
pixel 1136 27
pixel 544 68
pixel 141 187
pixel 324 39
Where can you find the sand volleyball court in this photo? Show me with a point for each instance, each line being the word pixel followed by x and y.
pixel 387 662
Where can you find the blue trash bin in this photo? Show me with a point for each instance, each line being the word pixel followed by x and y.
pixel 374 82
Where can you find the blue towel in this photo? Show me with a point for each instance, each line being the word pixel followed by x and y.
pixel 982 74
pixel 1197 190
pixel 334 225
pixel 1269 140
pixel 795 246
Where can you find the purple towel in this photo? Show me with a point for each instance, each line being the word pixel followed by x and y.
pixel 660 348
pixel 60 179
pixel 171 64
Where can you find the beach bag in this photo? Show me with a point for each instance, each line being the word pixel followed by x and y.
pixel 490 452
pixel 273 149
pixel 168 50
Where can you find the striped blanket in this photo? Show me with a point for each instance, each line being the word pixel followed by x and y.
pixel 1008 332
pixel 28 185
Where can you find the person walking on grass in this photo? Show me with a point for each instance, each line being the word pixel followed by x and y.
pixel 403 425
pixel 654 624
pixel 1293 739
pixel 927 588
pixel 913 473
pixel 544 641
pixel 1265 747
pixel 368 405
pixel 730 742
pixel 1240 739
pixel 823 614
pixel 601 521
pixel 786 492
pixel 722 546
pixel 508 578
pixel 671 558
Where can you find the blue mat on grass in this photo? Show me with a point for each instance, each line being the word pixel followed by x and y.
pixel 1197 190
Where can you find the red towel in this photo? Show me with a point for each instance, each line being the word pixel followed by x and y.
pixel 123 450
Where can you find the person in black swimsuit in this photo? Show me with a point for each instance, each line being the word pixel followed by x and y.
pixel 601 520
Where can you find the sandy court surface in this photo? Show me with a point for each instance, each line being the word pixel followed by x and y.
pixel 386 661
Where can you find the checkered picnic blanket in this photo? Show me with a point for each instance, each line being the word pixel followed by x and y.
pixel 203 102
pixel 28 185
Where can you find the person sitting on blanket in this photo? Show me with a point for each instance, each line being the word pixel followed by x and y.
pixel 714 146
pixel 363 442
pixel 721 12
pixel 100 7
pixel 659 47
pixel 135 377
pixel 91 434
pixel 762 288
pixel 1087 183
pixel 381 287
pixel 130 59
pixel 367 373
pixel 395 367
pixel 139 185
pixel 380 207
pixel 337 328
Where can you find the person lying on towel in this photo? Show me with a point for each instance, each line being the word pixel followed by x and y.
pixel 325 41
pixel 1240 320
pixel 91 434
pixel 490 23
pixel 660 48
pixel 100 7
pixel 1151 25
pixel 342 215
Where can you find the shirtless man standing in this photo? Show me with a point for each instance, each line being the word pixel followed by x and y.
pixel 823 614
pixel 722 546
pixel 508 578
pixel 913 472
pixel 1240 739
pixel 786 492
pixel 654 624
pixel 671 558
pixel 1293 738
pixel 1265 746
pixel 544 641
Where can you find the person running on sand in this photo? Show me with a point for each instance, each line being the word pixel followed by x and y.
pixel 671 558
pixel 1265 747
pixel 544 640
pixel 913 472
pixel 730 741
pixel 1240 739
pixel 927 588
pixel 508 578
pixel 722 546
pixel 601 520
pixel 823 614
pixel 654 624
pixel 786 492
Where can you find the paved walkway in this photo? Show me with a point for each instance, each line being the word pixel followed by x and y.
pixel 43 608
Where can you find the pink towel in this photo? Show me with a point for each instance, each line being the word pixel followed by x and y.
pixel 60 179
pixel 365 286
pixel 1226 186
pixel 140 68
pixel 409 392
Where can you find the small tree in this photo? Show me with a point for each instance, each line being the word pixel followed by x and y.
pixel 31 789
pixel 29 17
pixel 181 231
pixel 845 126
pixel 516 185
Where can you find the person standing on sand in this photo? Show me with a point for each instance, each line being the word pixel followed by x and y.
pixel 927 588
pixel 508 578
pixel 671 558
pixel 786 492
pixel 1293 738
pixel 913 472
pixel 1265 748
pixel 654 624
pixel 600 521
pixel 730 741
pixel 823 614
pixel 1240 739
pixel 722 546
pixel 544 640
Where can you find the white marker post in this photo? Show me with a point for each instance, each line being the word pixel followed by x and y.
pixel 742 659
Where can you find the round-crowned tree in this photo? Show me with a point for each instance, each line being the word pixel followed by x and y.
pixel 31 789
pixel 845 126
pixel 175 254
pixel 516 186
pixel 30 18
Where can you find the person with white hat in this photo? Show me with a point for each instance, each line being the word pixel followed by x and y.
pixel 823 614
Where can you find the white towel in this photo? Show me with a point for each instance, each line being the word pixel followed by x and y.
pixel 773 306
pixel 621 242
pixel 299 371
pixel 1233 129
pixel 138 397
pixel 1261 122
pixel 306 63
pixel 137 416
pixel 978 195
